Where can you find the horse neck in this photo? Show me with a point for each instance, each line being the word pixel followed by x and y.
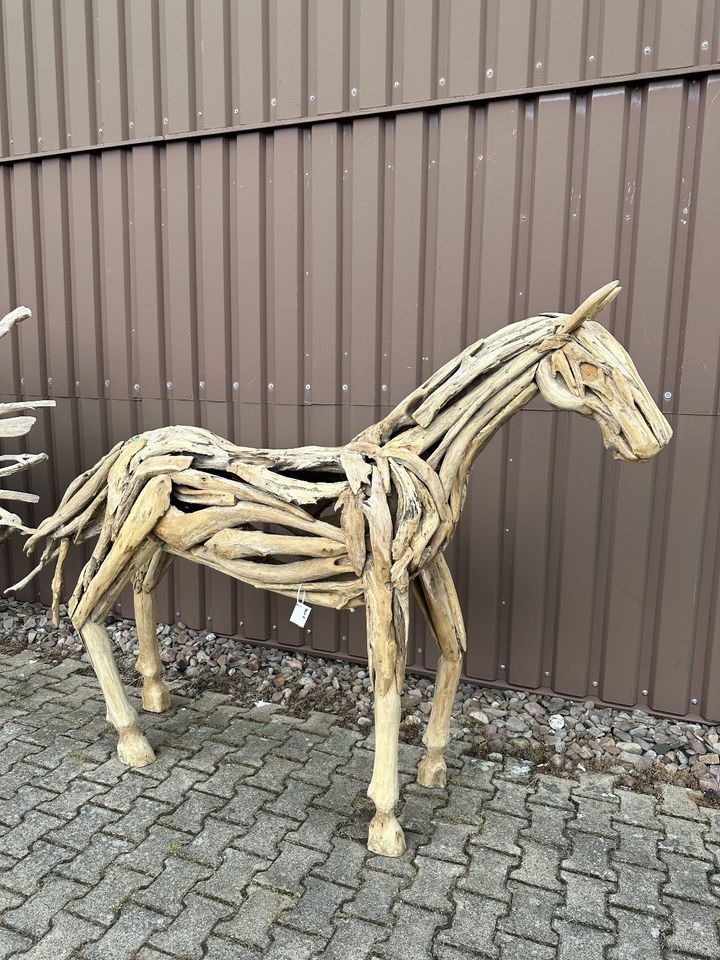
pixel 453 415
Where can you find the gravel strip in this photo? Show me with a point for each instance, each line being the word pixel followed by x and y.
pixel 557 734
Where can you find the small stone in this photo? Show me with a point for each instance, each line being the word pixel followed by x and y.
pixel 709 759
pixel 556 721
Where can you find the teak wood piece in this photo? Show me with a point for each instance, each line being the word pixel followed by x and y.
pixel 13 426
pixel 352 525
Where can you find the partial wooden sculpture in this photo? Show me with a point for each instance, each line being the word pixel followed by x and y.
pixel 359 524
pixel 11 463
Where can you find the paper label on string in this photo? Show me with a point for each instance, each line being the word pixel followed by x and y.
pixel 300 614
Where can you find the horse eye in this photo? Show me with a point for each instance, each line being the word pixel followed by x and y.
pixel 589 371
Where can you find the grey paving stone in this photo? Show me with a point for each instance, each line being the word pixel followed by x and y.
pixel 103 903
pixel 594 816
pixel 264 835
pixel 638 937
pixel 681 802
pixel 340 741
pixel 292 945
pixel 341 794
pixel 228 883
pixel 539 866
pixel 20 775
pixel 499 831
pixel 354 939
pixel 591 855
pixel 25 799
pixel 26 875
pixel 344 864
pixel 209 758
pixel 317 830
pixel 208 846
pixel 513 948
pixel 252 752
pixel 474 773
pixel 34 916
pixel 12 943
pixel 689 879
pixel 552 792
pixel 124 794
pixel 488 873
pixel 413 934
pixel 131 930
pixel 578 942
pixel 273 774
pixel 376 897
pixel 260 910
pixel 217 949
pixel 694 928
pixel 597 786
pixel 176 786
pixel 684 837
pixel 298 745
pixel 244 805
pixel 150 855
pixel 90 865
pixel 314 911
pixel 79 832
pixel 421 807
pixel 432 884
pixel 448 842
pixel 403 866
pixel 67 935
pixel 464 805
pixel 473 924
pixel 510 798
pixel 294 800
pixel 547 825
pixel 319 769
pixel 9 900
pixel 192 812
pixel 166 894
pixel 186 936
pixel 636 809
pixel 290 868
pixel 18 841
pixel 586 901
pixel 531 913
pixel 224 781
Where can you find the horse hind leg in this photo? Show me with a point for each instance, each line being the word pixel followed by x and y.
pixel 155 695
pixel 435 592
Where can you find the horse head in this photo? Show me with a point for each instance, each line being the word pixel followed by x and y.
pixel 587 370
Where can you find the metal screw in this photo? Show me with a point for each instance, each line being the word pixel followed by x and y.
pixel 502 603
pixel 644 693
pixel 694 701
pixel 343 638
pixel 22 380
pixel 307 386
pixel 538 65
pixel 396 84
pixel 77 383
pixel 595 683
pixel 169 384
pixel 490 73
pixel 507 529
pixel 547 673
pixel 441 81
pixel 419 650
pixel 131 125
pixel 353 92
pixel 384 386
pixel 199 114
pixel 312 98
pixel 591 58
pixel 136 387
pixel 308 630
pixel 107 383
pixel 271 386
pixel 177 614
pixel 242 623
pixel 236 385
pixel 705 45
pixel 39 139
pixel 668 395
pixel 647 51
pixel 236 110
pixel 165 121
pixel 273 102
pixel 50 380
pixel 274 627
pixel 345 388
pixel 99 129
pixel 502 666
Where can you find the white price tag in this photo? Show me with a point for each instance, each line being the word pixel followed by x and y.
pixel 301 611
pixel 300 614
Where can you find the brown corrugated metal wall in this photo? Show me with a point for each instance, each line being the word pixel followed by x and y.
pixel 287 281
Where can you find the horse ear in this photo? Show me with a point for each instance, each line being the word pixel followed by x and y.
pixel 592 306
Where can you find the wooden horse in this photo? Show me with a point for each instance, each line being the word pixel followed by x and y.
pixel 352 525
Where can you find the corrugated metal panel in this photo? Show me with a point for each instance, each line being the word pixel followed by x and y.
pixel 79 73
pixel 286 287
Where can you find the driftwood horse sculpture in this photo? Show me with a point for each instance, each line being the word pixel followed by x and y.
pixel 353 525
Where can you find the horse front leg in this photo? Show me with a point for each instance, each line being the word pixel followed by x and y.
pixel 155 695
pixel 386 610
pixel 435 591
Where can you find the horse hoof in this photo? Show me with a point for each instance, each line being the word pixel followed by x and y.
pixel 133 749
pixel 386 836
pixel 155 698
pixel 432 772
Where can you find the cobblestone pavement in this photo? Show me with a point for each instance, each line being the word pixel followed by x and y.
pixel 247 838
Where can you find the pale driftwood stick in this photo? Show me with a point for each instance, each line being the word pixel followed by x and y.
pixel 346 526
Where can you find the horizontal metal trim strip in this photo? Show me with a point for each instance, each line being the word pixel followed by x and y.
pixel 634 79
